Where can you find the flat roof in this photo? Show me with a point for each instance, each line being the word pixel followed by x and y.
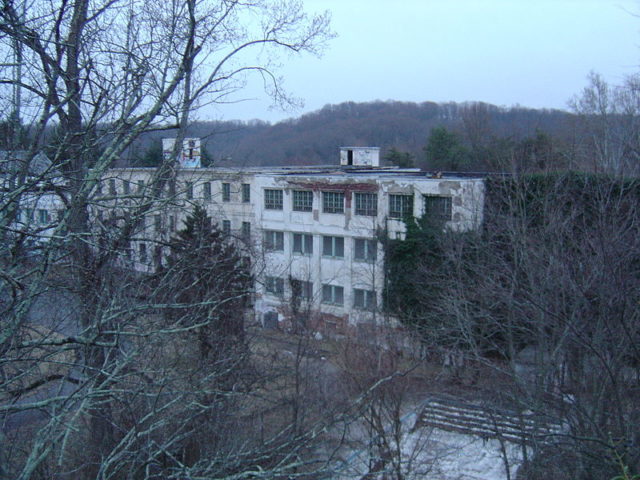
pixel 325 170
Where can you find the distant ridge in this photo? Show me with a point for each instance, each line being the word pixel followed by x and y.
pixel 314 138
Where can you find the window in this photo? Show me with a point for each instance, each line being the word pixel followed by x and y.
pixel 226 192
pixel 246 230
pixel 332 294
pixel 226 227
pixel 273 241
pixel 365 249
pixel 246 193
pixel 366 204
pixel 302 200
pixel 157 256
pixel 333 202
pixel 126 187
pixel 142 252
pixel 273 199
pixel 29 215
pixel 43 217
pixel 274 286
pixel 140 186
pixel 437 207
pixel 189 190
pixel 364 299
pixel 302 243
pixel 157 223
pixel 333 247
pixel 301 289
pixel 172 188
pixel 206 190
pixel 172 223
pixel 400 206
pixel 112 186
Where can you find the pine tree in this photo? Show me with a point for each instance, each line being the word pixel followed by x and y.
pixel 210 284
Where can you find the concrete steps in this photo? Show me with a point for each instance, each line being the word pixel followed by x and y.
pixel 486 422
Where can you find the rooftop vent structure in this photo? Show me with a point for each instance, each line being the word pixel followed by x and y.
pixel 360 156
pixel 190 155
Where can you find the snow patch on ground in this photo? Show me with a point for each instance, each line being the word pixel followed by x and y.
pixel 434 454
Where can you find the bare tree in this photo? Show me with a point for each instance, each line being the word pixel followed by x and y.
pixel 608 125
pixel 107 390
pixel 545 295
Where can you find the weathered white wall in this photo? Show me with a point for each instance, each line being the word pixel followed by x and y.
pixel 467 196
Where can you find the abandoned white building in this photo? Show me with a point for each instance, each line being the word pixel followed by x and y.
pixel 311 230
pixel 28 195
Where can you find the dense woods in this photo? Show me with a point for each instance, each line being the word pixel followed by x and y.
pixel 546 295
pixel 485 130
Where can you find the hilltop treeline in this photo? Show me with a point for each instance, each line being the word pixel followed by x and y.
pixel 486 131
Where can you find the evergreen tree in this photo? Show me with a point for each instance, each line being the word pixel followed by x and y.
pixel 445 150
pixel 400 159
pixel 210 284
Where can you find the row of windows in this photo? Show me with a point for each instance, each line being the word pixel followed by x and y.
pixel 30 215
pixel 366 204
pixel 400 206
pixel 332 202
pixel 331 294
pixel 245 230
pixel 245 189
pixel 365 249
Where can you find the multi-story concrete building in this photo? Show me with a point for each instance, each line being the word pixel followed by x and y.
pixel 313 232
pixel 28 195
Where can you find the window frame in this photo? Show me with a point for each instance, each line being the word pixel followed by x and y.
pixel 206 191
pixel 226 192
pixel 333 250
pixel 142 253
pixel 443 207
pixel 332 298
pixel 273 240
pixel 306 243
pixel 277 200
pixel 246 193
pixel 306 289
pixel 274 286
pixel 330 203
pixel 363 204
pixel 369 245
pixel 226 227
pixel 300 201
pixel 404 202
pixel 43 216
pixel 369 299
pixel 245 230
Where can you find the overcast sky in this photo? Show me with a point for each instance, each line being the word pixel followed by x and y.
pixel 535 53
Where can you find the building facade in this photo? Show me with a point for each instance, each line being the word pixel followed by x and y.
pixel 313 233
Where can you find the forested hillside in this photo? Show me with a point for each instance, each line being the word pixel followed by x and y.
pixel 483 130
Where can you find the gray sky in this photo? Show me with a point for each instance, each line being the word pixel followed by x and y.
pixel 536 53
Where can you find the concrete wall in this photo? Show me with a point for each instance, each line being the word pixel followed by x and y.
pixel 466 194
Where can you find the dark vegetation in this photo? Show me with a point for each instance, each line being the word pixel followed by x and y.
pixel 547 295
pixel 484 137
